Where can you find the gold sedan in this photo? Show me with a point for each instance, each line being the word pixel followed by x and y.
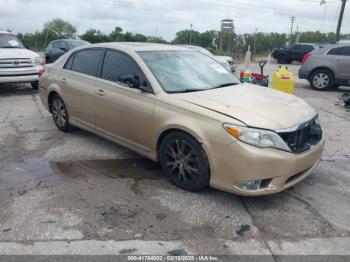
pixel 183 109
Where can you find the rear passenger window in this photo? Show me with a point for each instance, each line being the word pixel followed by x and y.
pixel 346 50
pixel 296 47
pixel 117 64
pixel 308 48
pixel 69 63
pixel 87 61
pixel 335 51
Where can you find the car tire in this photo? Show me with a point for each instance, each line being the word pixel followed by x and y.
pixel 184 162
pixel 35 85
pixel 322 80
pixel 282 59
pixel 60 114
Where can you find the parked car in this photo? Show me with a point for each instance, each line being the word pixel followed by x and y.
pixel 327 67
pixel 183 109
pixel 223 60
pixel 17 64
pixel 295 52
pixel 57 48
pixel 228 59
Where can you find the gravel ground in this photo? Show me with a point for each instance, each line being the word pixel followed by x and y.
pixel 79 194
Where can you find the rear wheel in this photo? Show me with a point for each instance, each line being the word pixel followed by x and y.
pixel 282 59
pixel 322 80
pixel 184 161
pixel 59 114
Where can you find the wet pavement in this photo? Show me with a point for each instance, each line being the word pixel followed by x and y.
pixel 77 192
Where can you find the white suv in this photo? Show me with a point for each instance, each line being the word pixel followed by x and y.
pixel 18 64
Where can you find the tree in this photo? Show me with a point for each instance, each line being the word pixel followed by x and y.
pixel 208 39
pixel 94 36
pixel 60 29
pixel 117 35
pixel 184 36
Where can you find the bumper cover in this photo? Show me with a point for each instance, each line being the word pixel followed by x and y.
pixel 239 162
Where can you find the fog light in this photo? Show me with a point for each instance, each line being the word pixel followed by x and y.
pixel 253 184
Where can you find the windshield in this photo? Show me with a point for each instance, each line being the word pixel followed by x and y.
pixel 73 44
pixel 187 71
pixel 10 41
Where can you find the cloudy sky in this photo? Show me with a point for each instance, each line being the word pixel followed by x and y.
pixel 166 17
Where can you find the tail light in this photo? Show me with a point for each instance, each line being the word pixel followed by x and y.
pixel 41 71
pixel 306 57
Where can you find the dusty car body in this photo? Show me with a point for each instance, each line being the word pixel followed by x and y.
pixel 240 138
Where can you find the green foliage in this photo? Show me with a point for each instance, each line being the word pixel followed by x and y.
pixel 52 30
pixel 94 36
pixel 60 29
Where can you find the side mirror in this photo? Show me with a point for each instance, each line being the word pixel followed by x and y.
pixel 129 80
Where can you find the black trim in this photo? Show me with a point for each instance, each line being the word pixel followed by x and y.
pixel 19 75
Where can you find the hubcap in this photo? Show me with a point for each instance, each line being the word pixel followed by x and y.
pixel 59 113
pixel 321 80
pixel 182 160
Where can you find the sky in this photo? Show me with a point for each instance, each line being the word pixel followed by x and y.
pixel 165 18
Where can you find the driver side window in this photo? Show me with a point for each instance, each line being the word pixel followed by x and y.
pixel 117 64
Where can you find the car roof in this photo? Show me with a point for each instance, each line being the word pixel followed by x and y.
pixel 306 44
pixel 5 32
pixel 68 40
pixel 325 48
pixel 141 46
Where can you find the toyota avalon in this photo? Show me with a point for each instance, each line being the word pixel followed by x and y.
pixel 186 111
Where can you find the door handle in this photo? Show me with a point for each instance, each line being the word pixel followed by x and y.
pixel 100 92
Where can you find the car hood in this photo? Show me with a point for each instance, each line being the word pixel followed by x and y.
pixel 9 53
pixel 254 105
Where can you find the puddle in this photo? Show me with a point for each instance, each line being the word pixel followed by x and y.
pixel 49 172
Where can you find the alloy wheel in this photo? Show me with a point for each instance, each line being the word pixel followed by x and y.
pixel 59 113
pixel 182 160
pixel 321 80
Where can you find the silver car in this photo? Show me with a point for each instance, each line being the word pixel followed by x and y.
pixel 327 67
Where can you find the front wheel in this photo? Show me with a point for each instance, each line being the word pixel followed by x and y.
pixel 60 114
pixel 184 161
pixel 322 80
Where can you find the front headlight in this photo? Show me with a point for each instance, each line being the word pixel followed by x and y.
pixel 37 61
pixel 257 137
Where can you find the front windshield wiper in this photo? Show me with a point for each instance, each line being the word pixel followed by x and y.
pixel 185 91
pixel 224 85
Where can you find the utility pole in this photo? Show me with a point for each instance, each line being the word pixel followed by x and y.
pixel 340 19
pixel 254 52
pixel 292 20
pixel 298 35
pixel 191 35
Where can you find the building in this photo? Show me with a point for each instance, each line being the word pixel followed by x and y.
pixel 227 26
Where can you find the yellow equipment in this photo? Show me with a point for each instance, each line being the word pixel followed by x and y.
pixel 283 80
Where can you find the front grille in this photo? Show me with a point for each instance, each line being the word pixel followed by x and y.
pixel 16 63
pixel 304 137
